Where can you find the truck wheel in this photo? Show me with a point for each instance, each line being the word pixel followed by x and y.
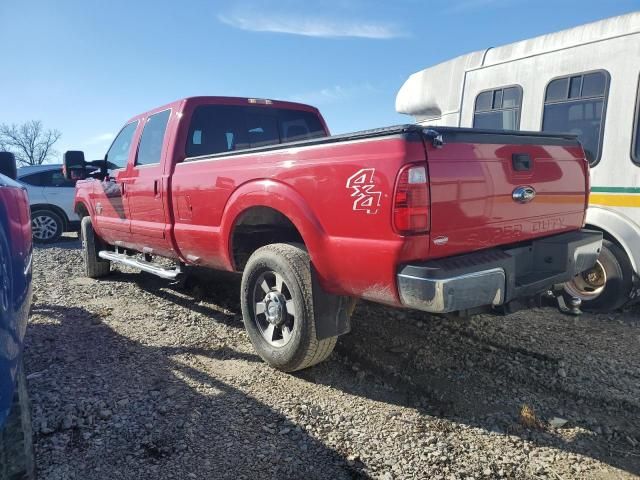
pixel 47 226
pixel 94 266
pixel 608 284
pixel 17 460
pixel 278 308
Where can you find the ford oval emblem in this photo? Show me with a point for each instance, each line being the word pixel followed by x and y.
pixel 524 194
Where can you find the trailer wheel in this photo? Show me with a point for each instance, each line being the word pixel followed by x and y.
pixel 17 459
pixel 94 266
pixel 278 308
pixel 607 285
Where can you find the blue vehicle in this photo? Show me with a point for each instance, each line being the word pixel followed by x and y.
pixel 16 445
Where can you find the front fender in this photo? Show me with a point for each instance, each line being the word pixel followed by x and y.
pixel 83 198
pixel 287 201
pixel 80 205
pixel 621 228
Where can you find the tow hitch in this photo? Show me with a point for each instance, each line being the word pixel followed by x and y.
pixel 565 303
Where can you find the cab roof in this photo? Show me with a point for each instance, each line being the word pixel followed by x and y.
pixel 192 102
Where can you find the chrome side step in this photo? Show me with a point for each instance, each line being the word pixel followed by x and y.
pixel 149 267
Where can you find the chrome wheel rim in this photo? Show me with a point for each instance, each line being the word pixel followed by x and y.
pixel 588 285
pixel 44 227
pixel 274 309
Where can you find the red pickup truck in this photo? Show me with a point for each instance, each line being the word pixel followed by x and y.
pixel 439 220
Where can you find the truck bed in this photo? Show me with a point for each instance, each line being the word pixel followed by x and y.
pixel 449 134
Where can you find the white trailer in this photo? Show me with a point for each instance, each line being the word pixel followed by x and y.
pixel 585 81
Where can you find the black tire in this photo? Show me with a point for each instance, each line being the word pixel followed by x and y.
pixel 302 349
pixel 94 266
pixel 17 459
pixel 619 280
pixel 47 226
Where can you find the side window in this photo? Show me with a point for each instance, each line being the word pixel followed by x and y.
pixel 35 179
pixel 498 109
pixel 635 143
pixel 48 178
pixel 118 153
pixel 152 138
pixel 57 180
pixel 576 104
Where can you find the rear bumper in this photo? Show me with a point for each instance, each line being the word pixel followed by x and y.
pixel 497 276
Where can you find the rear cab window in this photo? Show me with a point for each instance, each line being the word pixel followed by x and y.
pixel 226 128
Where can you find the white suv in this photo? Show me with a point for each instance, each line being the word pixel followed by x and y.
pixel 51 198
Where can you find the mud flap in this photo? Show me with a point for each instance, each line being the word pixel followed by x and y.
pixel 634 296
pixel 332 313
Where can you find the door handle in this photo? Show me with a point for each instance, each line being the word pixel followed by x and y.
pixel 155 188
pixel 122 189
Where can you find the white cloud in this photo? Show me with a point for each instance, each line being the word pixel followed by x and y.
pixel 308 26
pixel 99 139
pixel 334 94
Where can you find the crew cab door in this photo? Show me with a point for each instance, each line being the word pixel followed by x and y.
pixel 146 188
pixel 110 196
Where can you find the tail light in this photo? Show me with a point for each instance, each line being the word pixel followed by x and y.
pixel 411 201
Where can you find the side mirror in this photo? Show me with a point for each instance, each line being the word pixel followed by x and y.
pixel 74 166
pixel 8 166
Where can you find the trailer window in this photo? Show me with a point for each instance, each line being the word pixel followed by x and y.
pixel 577 104
pixel 224 128
pixel 498 109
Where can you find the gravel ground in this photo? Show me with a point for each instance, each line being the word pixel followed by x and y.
pixel 131 377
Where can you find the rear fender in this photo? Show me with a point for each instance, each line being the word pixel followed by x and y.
pixel 332 317
pixel 284 199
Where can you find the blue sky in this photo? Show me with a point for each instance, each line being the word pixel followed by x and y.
pixel 85 67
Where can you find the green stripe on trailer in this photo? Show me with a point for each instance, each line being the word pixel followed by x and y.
pixel 615 189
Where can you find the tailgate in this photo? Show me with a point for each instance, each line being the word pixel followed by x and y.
pixel 491 188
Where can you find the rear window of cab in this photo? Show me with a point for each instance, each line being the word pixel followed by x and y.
pixel 225 128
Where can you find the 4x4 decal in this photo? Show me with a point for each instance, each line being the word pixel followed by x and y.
pixel 366 198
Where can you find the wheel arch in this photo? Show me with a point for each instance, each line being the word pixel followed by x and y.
pixel 281 201
pixel 619 229
pixel 257 227
pixel 54 208
pixel 81 210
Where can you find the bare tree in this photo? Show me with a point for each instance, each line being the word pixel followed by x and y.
pixel 30 142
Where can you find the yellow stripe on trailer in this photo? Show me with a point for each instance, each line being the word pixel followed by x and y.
pixel 613 200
